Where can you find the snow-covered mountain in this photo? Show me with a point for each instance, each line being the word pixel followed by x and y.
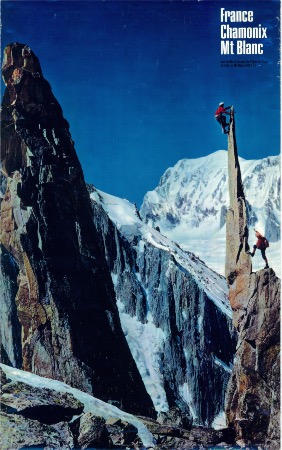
pixel 174 312
pixel 91 295
pixel 189 205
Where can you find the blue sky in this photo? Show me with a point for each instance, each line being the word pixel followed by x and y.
pixel 139 82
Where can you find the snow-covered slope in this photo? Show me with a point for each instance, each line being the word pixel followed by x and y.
pixel 189 205
pixel 125 216
pixel 174 312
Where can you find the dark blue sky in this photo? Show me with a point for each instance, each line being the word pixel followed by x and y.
pixel 139 82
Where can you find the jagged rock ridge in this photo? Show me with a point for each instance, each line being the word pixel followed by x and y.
pixel 59 313
pixel 190 202
pixel 194 193
pixel 252 401
pixel 175 314
pixel 62 270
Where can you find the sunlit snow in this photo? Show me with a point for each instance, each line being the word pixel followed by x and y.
pixel 219 421
pixel 123 214
pixel 190 203
pixel 146 341
pixel 146 344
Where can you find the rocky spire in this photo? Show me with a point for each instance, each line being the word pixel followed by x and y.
pixel 252 401
pixel 58 281
pixel 238 263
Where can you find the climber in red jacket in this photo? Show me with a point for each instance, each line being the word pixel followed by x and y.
pixel 261 244
pixel 220 117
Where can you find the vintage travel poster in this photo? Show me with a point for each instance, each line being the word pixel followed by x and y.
pixel 140 224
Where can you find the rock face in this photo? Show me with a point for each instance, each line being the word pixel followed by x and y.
pixel 173 313
pixel 93 432
pixel 60 318
pixel 36 417
pixel 68 418
pixel 37 412
pixel 194 194
pixel 66 263
pixel 252 401
pixel 189 204
pixel 238 262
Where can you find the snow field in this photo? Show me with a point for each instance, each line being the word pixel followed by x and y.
pixel 191 200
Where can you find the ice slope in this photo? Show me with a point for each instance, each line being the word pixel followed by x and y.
pixel 189 205
pixel 146 342
pixel 125 216
pixel 150 337
pixel 91 404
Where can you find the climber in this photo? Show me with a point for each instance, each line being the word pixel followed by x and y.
pixel 261 244
pixel 220 117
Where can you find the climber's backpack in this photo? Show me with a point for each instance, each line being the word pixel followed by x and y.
pixel 266 243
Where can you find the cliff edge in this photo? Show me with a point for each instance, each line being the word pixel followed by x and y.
pixel 253 393
pixel 60 318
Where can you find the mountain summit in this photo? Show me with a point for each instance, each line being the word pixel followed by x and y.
pixel 93 296
pixel 194 194
pixel 60 318
pixel 189 205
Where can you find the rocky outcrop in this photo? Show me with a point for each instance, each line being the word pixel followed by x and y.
pixel 92 432
pixel 193 194
pixel 173 315
pixel 238 262
pixel 37 412
pixel 252 401
pixel 189 204
pixel 21 432
pixel 198 437
pixel 45 413
pixel 35 417
pixel 59 313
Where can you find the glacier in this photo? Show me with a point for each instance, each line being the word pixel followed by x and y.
pixel 174 312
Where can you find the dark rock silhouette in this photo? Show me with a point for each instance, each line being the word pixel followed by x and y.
pixel 252 401
pixel 55 274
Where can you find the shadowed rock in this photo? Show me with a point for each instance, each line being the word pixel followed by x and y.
pixel 21 432
pixel 252 401
pixel 49 407
pixel 93 432
pixel 190 369
pixel 238 263
pixel 64 298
